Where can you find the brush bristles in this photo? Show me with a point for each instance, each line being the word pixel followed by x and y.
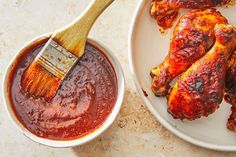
pixel 38 82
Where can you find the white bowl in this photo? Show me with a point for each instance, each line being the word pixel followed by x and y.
pixel 86 138
pixel 147 48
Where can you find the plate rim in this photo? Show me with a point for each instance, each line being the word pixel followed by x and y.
pixel 148 104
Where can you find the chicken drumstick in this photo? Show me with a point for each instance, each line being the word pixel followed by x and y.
pixel 199 91
pixel 192 38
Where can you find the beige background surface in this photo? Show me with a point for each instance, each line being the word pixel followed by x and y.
pixel 135 132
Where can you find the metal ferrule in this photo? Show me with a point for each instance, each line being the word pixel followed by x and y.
pixel 56 59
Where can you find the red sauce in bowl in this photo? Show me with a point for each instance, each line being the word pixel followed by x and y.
pixel 83 102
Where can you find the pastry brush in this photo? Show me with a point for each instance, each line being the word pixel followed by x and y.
pixel 61 52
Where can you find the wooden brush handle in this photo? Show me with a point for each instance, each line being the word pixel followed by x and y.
pixel 73 37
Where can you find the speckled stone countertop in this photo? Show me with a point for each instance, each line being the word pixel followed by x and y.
pixel 135 133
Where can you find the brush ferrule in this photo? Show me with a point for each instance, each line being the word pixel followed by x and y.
pixel 56 59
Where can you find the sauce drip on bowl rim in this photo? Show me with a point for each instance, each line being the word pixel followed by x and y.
pixel 84 101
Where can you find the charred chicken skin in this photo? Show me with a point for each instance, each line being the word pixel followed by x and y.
pixel 199 91
pixel 166 11
pixel 193 36
pixel 230 91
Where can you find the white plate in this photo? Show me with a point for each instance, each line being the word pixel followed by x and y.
pixel 147 48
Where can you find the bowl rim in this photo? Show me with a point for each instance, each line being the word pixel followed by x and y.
pixel 148 104
pixel 81 140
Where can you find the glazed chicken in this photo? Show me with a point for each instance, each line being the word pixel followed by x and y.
pixel 230 91
pixel 193 36
pixel 199 91
pixel 166 11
